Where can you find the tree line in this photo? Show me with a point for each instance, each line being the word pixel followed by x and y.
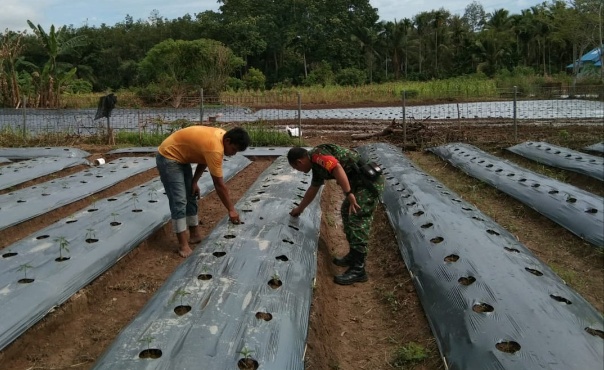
pixel 280 43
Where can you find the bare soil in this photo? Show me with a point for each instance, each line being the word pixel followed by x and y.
pixel 363 326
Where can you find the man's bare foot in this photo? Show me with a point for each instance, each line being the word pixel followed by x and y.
pixel 184 252
pixel 195 239
pixel 194 236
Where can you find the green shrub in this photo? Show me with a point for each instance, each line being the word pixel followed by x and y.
pixel 351 77
pixel 79 86
pixel 321 74
pixel 235 84
pixel 255 80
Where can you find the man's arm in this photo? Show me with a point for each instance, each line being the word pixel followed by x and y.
pixel 340 175
pixel 309 196
pixel 223 194
pixel 198 172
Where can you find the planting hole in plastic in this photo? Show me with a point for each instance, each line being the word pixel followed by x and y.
pixel 466 280
pixel 508 347
pixel 204 276
pixel 247 364
pixel 534 272
pixel 560 299
pixel 182 309
pixel 452 258
pixel 264 316
pixel 275 283
pixel 152 353
pixel 482 307
pixel 595 332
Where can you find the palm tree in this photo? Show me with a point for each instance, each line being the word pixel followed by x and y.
pixel 421 22
pixel 395 40
pixel 367 38
pixel 439 22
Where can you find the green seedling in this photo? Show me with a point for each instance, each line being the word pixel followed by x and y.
pixel 148 340
pixel 246 352
pixel 134 197
pixel 152 193
pixel 94 199
pixel 63 245
pixel 64 185
pixel 276 275
pixel 24 267
pixel 180 294
pixel 114 215
pixel 90 234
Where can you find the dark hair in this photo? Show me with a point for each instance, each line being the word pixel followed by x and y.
pixel 296 153
pixel 239 137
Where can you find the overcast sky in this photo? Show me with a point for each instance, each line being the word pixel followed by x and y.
pixel 15 13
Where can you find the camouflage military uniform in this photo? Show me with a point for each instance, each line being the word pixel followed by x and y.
pixel 357 226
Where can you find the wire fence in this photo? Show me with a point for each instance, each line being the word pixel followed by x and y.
pixel 511 107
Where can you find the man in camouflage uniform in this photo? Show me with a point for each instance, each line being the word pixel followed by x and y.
pixel 328 162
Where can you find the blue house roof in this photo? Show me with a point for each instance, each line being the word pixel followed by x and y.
pixel 592 56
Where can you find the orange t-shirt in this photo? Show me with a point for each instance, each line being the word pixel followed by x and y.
pixel 196 144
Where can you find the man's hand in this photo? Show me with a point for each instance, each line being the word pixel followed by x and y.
pixel 296 212
pixel 354 206
pixel 195 190
pixel 234 217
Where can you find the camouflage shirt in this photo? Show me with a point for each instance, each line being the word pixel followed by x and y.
pixel 324 159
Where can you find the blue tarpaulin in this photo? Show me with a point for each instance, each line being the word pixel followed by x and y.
pixel 591 57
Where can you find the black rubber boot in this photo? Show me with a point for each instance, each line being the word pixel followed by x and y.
pixel 356 272
pixel 345 261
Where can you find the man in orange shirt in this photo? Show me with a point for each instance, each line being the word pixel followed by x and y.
pixel 207 147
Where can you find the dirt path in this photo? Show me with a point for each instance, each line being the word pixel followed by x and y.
pixel 364 326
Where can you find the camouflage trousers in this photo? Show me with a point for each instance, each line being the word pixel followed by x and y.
pixel 357 226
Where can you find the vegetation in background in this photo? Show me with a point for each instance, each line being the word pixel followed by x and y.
pixel 262 134
pixel 257 45
pixel 173 69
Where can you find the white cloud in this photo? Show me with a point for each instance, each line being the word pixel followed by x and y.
pixel 15 14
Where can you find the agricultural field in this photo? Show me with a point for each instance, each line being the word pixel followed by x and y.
pixel 380 324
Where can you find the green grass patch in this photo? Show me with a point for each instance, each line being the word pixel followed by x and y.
pixel 408 355
pixel 570 277
pixel 136 139
pixel 262 134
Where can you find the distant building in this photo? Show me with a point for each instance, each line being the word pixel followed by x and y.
pixel 590 59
